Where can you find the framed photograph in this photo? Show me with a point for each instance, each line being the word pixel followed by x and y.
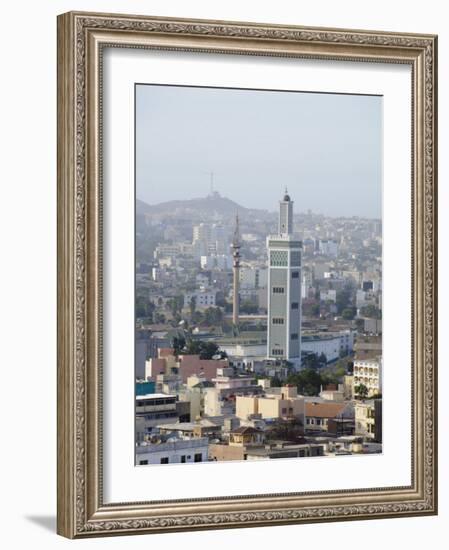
pixel 246 274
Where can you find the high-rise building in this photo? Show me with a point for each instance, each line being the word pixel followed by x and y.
pixel 284 288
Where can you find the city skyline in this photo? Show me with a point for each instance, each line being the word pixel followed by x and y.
pixel 258 332
pixel 260 139
pixel 272 210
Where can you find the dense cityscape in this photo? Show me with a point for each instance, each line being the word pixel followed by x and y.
pixel 258 333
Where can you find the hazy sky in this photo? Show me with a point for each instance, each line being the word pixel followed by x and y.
pixel 326 148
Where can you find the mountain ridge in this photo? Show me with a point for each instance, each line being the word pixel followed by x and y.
pixel 211 204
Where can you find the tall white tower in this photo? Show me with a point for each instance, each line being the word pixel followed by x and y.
pixel 284 288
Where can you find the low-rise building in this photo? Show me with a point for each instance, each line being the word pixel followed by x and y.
pixel 172 451
pixel 210 427
pixel 332 417
pixel 332 344
pixel 202 298
pixel 285 404
pixel 183 365
pixel 284 450
pixel 151 410
pixel 328 295
pixel 368 419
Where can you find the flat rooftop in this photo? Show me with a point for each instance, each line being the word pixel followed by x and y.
pixel 154 396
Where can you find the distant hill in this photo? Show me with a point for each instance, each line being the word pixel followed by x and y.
pixel 212 206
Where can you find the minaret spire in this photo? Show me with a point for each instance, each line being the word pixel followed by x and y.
pixel 286 215
pixel 236 238
pixel 236 244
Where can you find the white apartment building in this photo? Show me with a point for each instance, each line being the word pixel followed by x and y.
pixel 328 247
pixel 167 251
pixel 153 409
pixel 329 343
pixel 203 298
pixel 253 277
pixel 176 451
pixel 216 261
pixel 369 373
pixel 328 295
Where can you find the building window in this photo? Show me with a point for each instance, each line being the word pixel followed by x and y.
pixel 295 305
pixel 277 320
pixel 143 462
pixel 294 336
pixel 183 458
pixel 164 460
pixel 277 352
pixel 295 274
pixel 278 290
pixel 279 258
pixel 198 457
pixel 295 259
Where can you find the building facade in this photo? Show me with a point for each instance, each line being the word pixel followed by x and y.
pixel 177 451
pixel 151 410
pixel 284 288
pixel 368 372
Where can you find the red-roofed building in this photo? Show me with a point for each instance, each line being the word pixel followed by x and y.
pixel 165 352
pixel 153 367
pixel 334 418
pixel 184 365
pixel 206 368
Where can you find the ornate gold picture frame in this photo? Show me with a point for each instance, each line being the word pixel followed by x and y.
pixel 82 40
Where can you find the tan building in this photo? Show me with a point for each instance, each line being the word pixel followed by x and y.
pixel 240 441
pixel 184 365
pixel 221 452
pixel 245 436
pixel 348 387
pixel 368 419
pixel 364 419
pixel 286 404
pixel 334 418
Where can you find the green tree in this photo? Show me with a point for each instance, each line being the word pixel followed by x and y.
pixel 213 316
pixel 276 382
pixel 176 304
pixel 178 344
pixel 206 350
pixel 248 307
pixel 343 299
pixel 192 306
pixel 371 311
pixel 349 313
pixel 159 318
pixel 197 318
pixel 361 390
pixel 308 381
pixel 288 429
pixel 311 361
pixel 193 347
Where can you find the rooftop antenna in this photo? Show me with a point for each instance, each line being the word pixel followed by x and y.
pixel 211 183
